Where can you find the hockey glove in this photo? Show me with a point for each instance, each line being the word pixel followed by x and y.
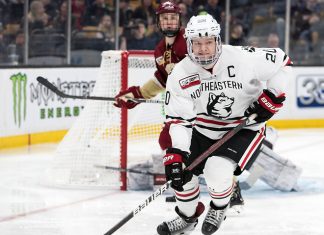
pixel 265 107
pixel 133 92
pixel 174 170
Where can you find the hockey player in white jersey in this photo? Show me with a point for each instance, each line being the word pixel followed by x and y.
pixel 207 94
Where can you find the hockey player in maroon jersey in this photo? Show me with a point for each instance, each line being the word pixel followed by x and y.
pixel 208 93
pixel 170 50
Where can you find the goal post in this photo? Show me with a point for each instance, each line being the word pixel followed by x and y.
pixel 108 136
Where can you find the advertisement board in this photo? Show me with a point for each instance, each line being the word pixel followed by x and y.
pixel 28 107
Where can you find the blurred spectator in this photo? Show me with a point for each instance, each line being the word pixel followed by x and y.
pixel 60 21
pixel 237 37
pixel 223 26
pixel 107 27
pixel 242 13
pixel 156 35
pixel 138 40
pixel 37 17
pixel 273 40
pixel 212 7
pixel 253 41
pixel 15 12
pixel 184 14
pixel 190 9
pixel 78 11
pixel 20 46
pixel 3 7
pixel 279 8
pixel 51 8
pixel 145 11
pixel 197 3
pixel 306 17
pixel 3 48
pixel 262 10
pixel 88 3
pixel 97 10
pixel 125 13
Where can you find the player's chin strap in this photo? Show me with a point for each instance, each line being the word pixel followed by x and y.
pixel 198 160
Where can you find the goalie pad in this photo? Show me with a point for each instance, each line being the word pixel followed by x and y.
pixel 140 181
pixel 270 137
pixel 145 181
pixel 159 173
pixel 279 173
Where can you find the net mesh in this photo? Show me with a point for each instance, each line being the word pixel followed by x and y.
pixel 95 138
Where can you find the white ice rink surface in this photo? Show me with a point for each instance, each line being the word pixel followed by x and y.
pixel 28 208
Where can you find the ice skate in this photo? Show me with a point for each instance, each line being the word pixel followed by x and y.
pixel 213 219
pixel 236 201
pixel 181 224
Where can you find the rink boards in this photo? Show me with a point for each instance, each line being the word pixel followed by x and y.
pixel 31 114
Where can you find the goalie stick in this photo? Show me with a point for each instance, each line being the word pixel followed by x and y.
pixel 164 187
pixel 126 170
pixel 244 185
pixel 55 89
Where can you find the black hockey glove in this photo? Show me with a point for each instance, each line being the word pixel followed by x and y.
pixel 174 169
pixel 266 106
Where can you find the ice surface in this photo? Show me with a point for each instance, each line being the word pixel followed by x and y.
pixel 27 207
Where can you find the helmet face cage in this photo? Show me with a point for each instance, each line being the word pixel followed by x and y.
pixel 168 7
pixel 205 61
pixel 202 26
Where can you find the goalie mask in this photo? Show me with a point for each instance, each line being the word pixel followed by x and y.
pixel 168 18
pixel 203 27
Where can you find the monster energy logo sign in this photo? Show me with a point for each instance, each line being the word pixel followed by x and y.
pixel 19 84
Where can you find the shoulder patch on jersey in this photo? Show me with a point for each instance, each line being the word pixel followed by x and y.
pixel 159 60
pixel 189 81
pixel 248 48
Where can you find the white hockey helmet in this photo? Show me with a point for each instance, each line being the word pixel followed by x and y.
pixel 203 26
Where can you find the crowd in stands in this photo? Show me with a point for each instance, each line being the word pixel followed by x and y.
pixel 258 23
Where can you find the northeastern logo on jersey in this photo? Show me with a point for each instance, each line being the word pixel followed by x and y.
pixel 219 106
pixel 189 81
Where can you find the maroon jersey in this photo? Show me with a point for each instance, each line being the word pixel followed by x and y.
pixel 167 56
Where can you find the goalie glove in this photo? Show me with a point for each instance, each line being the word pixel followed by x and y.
pixel 132 92
pixel 265 107
pixel 174 169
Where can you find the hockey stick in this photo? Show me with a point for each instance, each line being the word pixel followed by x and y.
pixel 126 170
pixel 53 88
pixel 198 160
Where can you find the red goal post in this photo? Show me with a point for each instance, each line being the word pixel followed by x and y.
pixel 108 136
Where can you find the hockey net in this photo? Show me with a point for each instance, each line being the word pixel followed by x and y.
pixel 104 135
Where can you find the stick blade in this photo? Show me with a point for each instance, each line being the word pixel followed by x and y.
pixel 49 85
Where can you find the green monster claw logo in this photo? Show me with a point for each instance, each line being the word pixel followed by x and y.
pixel 19 84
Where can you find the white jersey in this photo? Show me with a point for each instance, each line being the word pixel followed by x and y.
pixel 214 102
